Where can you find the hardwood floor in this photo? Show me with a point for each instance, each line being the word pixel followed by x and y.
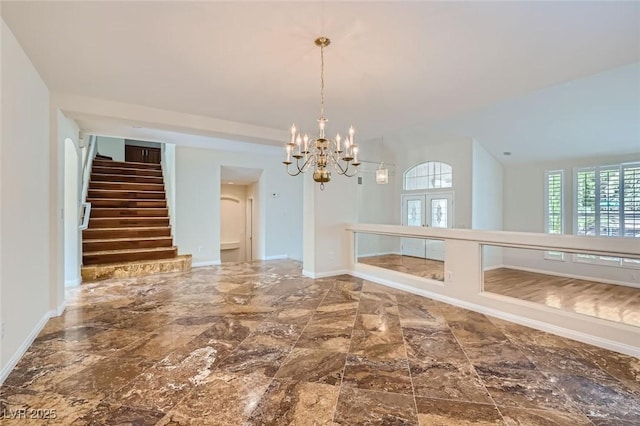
pixel 259 344
pixel 607 301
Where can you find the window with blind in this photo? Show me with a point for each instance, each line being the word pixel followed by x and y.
pixel 554 208
pixel 607 200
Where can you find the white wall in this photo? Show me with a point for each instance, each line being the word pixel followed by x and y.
pixel 197 229
pixel 253 193
pixel 168 162
pixel 111 147
pixel 377 203
pixel 486 190
pixel 146 144
pixel 524 211
pixel 24 198
pixel 326 243
pixel 487 199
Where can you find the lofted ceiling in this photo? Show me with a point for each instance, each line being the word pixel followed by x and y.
pixel 390 66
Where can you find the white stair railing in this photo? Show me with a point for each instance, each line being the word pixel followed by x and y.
pixel 85 207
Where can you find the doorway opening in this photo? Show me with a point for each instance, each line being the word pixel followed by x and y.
pixel 239 219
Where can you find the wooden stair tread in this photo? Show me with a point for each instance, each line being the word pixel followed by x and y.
pixel 133 228
pixel 125 190
pixel 97 203
pixel 129 164
pixel 130 217
pixel 91 199
pixel 130 194
pixel 128 208
pixel 124 251
pixel 106 182
pixel 120 178
pixel 127 232
pixel 124 170
pixel 105 240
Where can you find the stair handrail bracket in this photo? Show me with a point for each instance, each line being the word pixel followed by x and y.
pixel 86 213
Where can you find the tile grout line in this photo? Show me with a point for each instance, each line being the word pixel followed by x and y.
pixel 406 353
pixel 291 350
pixel 300 335
pixel 546 376
pixel 217 367
pixel 495 405
pixel 344 368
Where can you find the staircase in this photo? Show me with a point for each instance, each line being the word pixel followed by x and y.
pixel 129 232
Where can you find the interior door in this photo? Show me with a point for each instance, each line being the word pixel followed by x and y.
pixel 140 154
pixel 434 210
pixel 413 214
pixel 134 153
pixel 439 215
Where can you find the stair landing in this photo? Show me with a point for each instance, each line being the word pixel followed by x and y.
pixel 105 271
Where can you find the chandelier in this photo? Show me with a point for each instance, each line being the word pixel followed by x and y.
pixel 321 153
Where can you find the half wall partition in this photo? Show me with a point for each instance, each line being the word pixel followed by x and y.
pixel 472 275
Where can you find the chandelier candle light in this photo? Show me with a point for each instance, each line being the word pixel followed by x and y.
pixel 322 152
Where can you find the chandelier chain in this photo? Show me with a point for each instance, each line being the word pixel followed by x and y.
pixel 321 82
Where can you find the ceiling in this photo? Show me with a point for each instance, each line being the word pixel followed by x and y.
pixel 390 66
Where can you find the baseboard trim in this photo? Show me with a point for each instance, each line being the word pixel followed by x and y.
pixel 59 310
pixel 276 257
pixel 8 368
pixel 314 276
pixel 207 263
pixel 491 268
pixel 574 276
pixel 72 283
pixel 387 253
pixel 538 325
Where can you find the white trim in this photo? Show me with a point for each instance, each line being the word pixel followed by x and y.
pixel 276 257
pixel 206 263
pixel 72 283
pixel 314 276
pixel 547 174
pixel 385 253
pixel 539 325
pixel 602 246
pixel 59 310
pixel 10 365
pixel 577 277
pixel 491 268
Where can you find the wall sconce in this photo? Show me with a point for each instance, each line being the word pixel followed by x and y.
pixel 382 175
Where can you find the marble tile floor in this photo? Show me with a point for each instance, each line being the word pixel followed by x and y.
pixel 258 344
pixel 425 268
pixel 606 301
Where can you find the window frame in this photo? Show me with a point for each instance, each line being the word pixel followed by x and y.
pixel 428 176
pixel 554 255
pixel 603 260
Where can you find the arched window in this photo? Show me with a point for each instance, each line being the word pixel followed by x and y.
pixel 429 175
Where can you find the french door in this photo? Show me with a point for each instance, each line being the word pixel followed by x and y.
pixel 434 210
